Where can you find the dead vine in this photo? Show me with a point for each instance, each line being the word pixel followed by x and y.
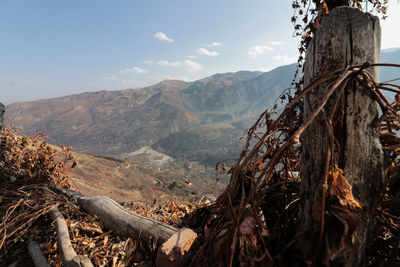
pixel 253 223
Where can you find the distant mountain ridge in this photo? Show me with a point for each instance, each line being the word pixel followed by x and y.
pixel 195 121
pixel 172 116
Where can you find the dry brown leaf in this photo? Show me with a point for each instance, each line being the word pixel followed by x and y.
pixel 91 228
pixel 340 189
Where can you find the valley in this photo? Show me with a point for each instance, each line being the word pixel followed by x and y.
pixel 127 181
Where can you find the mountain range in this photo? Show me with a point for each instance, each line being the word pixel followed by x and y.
pixel 190 121
pixel 196 121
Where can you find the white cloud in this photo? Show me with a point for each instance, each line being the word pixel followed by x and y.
pixel 285 59
pixel 117 82
pixel 192 66
pixel 192 57
pixel 181 78
pixel 275 43
pixel 214 44
pixel 110 78
pixel 203 51
pixel 148 62
pixel 132 83
pixel 169 63
pixel 136 70
pixel 163 37
pixel 259 50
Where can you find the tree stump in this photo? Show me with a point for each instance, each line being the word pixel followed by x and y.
pixel 347 36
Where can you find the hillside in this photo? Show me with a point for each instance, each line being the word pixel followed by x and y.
pixel 164 116
pixel 129 182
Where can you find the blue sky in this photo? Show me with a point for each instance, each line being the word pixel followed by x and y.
pixel 52 48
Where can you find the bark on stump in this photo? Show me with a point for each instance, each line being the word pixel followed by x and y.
pixel 347 36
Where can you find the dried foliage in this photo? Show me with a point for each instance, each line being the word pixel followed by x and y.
pixel 25 165
pixel 309 14
pixel 170 213
pixel 26 160
pixel 254 222
pixel 89 238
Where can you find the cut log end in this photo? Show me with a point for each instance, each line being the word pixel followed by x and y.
pixel 177 250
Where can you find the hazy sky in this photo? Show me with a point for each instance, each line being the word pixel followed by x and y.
pixel 52 48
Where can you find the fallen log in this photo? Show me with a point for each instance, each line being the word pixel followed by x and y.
pixel 122 221
pixel 174 243
pixel 68 254
pixel 36 255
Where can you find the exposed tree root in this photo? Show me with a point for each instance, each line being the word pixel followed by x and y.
pixel 36 255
